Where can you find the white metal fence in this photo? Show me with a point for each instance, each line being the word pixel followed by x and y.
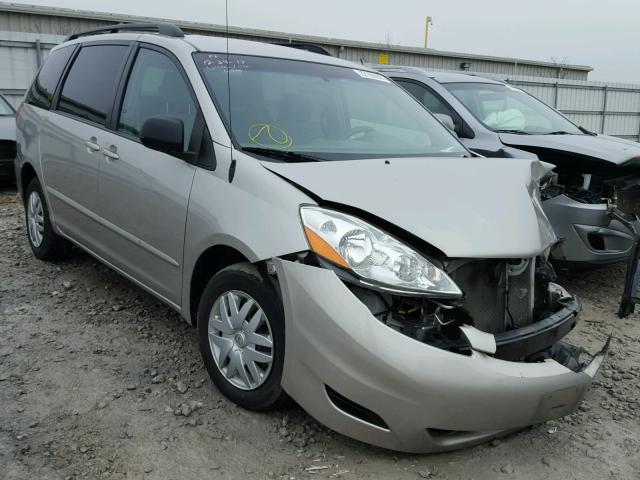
pixel 607 108
pixel 20 57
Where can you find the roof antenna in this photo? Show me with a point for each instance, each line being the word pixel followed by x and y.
pixel 232 166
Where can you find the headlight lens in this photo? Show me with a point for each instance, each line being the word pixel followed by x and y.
pixel 372 254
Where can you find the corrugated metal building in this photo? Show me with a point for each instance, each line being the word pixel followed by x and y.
pixel 27 32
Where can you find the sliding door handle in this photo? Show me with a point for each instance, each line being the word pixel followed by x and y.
pixel 111 153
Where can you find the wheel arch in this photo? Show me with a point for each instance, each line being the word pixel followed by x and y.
pixel 27 174
pixel 209 263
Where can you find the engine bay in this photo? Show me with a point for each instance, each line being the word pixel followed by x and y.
pixel 511 299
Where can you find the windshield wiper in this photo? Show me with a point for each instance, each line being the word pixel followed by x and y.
pixel 517 132
pixel 285 155
pixel 559 132
pixel 587 132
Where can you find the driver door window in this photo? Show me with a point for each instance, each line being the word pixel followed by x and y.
pixel 156 88
pixel 425 97
pixel 434 104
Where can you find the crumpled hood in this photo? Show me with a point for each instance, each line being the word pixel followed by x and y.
pixel 466 207
pixel 600 147
pixel 8 128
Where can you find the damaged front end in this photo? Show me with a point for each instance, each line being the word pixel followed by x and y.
pixel 425 327
pixel 510 309
pixel 426 374
pixel 429 371
pixel 579 202
pixel 596 217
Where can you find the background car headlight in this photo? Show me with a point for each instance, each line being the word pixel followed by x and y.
pixel 372 254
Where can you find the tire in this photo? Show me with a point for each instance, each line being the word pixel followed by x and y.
pixel 43 240
pixel 229 347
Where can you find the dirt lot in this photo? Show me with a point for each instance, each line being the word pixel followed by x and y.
pixel 100 380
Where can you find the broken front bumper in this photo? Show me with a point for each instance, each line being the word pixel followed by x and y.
pixel 365 380
pixel 587 233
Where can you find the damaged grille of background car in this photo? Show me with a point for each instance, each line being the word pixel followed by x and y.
pixel 592 181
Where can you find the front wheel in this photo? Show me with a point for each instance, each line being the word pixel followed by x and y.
pixel 241 335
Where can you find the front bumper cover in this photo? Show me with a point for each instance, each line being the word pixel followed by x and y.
pixel 429 399
pixel 588 235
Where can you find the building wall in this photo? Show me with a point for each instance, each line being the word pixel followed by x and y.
pixel 20 57
pixel 62 22
pixel 614 109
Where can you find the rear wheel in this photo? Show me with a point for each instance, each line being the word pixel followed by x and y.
pixel 241 336
pixel 44 242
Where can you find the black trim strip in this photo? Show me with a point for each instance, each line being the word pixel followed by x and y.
pixel 167 29
pixel 355 410
pixel 525 341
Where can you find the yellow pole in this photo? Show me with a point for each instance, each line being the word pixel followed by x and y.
pixel 426 32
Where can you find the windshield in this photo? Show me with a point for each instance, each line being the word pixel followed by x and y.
pixel 5 108
pixel 505 108
pixel 326 111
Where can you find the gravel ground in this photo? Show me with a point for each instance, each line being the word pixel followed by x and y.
pixel 100 380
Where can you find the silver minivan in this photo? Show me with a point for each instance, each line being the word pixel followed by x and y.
pixel 331 241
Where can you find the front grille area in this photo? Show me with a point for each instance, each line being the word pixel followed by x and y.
pixel 7 150
pixel 625 191
pixel 628 200
pixel 498 295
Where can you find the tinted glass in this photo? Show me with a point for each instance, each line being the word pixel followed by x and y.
pixel 156 89
pixel 504 108
pixel 328 111
pixel 89 90
pixel 5 108
pixel 44 86
pixel 425 97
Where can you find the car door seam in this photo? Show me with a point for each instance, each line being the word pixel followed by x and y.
pixel 114 228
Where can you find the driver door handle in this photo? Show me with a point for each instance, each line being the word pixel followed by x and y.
pixel 111 152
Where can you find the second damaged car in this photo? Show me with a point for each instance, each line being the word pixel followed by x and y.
pixel 596 176
pixel 328 237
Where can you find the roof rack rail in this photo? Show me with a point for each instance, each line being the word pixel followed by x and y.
pixel 309 47
pixel 167 29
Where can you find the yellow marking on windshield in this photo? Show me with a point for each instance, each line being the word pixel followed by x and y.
pixel 270 136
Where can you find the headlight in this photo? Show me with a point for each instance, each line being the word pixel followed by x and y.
pixel 372 254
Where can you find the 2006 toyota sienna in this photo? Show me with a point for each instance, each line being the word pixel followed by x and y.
pixel 329 238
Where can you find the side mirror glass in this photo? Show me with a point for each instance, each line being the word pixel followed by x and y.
pixel 164 134
pixel 446 120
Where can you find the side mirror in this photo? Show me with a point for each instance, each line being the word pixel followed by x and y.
pixel 446 120
pixel 164 134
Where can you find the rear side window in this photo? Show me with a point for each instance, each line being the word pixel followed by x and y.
pixel 89 89
pixel 44 86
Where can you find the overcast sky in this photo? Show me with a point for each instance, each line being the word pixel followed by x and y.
pixel 602 34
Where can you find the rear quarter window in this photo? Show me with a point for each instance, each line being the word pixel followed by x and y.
pixel 44 86
pixel 90 87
